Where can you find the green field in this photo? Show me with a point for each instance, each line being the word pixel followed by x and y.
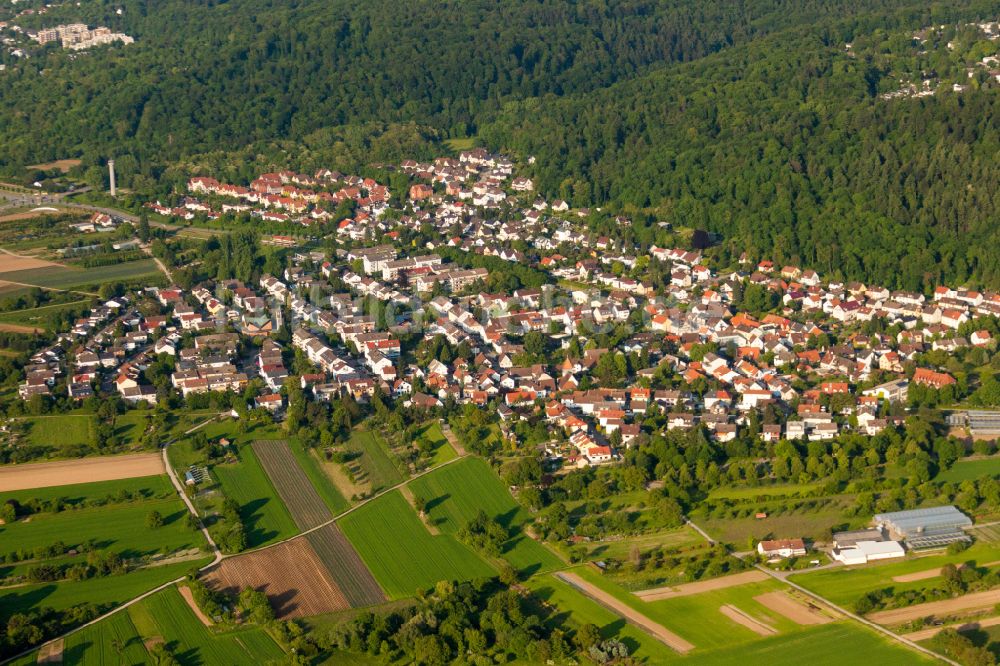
pixel 843 585
pixel 621 549
pixel 320 481
pixel 193 643
pixel 120 528
pixel 965 470
pixel 61 430
pixel 94 644
pixel 265 517
pixel 808 524
pixel 66 277
pixel 373 461
pixel 106 591
pixel 39 317
pixel 574 609
pixel 837 643
pixel 456 493
pixel 443 451
pixel 76 494
pixel 402 555
pixel 782 490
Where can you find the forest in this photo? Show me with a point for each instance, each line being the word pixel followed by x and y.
pixel 750 120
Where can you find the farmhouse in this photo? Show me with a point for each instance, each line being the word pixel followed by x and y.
pixel 782 548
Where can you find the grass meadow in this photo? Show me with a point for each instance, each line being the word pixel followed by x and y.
pixel 265 517
pixel 402 555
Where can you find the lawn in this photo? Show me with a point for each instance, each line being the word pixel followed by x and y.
pixel 574 609
pixel 120 528
pixel 373 460
pixel 157 486
pixel 839 642
pixel 457 493
pixel 193 643
pixel 965 470
pixel 402 555
pixel 104 592
pixel 843 585
pixel 61 430
pixel 320 481
pixel 266 519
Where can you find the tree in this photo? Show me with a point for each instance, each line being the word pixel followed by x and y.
pixel 154 519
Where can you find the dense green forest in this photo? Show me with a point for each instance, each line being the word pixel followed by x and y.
pixel 748 119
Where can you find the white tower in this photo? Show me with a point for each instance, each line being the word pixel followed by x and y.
pixel 111 172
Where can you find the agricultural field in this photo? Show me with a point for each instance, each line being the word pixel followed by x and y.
pixel 40 317
pixel 402 555
pixel 79 494
pixel 372 467
pixel 103 592
pixel 296 490
pixel 61 430
pixel 66 277
pixel 965 470
pixel 120 528
pixel 294 591
pixel 839 642
pixel 568 606
pixel 96 644
pixel 843 585
pixel 785 516
pixel 307 460
pixel 265 517
pixel 456 493
pixel 346 567
pixel 66 472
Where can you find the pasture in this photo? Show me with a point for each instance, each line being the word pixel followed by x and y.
pixel 456 493
pixel 843 585
pixel 120 528
pixel 402 555
pixel 103 592
pixel 62 429
pixel 296 490
pixel 568 606
pixel 966 470
pixel 266 519
pixel 372 465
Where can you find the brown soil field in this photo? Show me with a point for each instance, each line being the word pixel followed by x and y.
pixel 295 489
pixel 62 165
pixel 290 574
pixel 26 215
pixel 931 632
pixel 18 328
pixel 792 608
pixel 17 262
pixel 83 470
pixel 658 631
pixel 346 568
pixel 687 589
pixel 408 496
pixel 199 613
pixel 964 603
pixel 746 620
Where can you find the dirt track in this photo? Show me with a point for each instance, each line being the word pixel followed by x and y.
pixel 195 608
pixel 967 602
pixel 744 619
pixel 792 608
pixel 931 632
pixel 687 589
pixel 83 470
pixel 658 631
